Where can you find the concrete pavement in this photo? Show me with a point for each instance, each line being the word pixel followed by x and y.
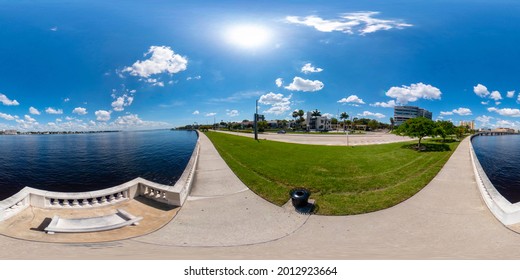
pixel 224 220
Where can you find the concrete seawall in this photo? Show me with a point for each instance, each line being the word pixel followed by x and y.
pixel 506 212
pixel 172 195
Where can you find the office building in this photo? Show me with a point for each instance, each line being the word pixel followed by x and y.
pixel 404 113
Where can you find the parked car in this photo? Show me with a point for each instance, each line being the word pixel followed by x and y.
pixel 281 132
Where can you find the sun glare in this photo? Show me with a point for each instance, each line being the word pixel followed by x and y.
pixel 248 36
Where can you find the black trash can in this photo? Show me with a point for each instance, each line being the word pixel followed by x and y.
pixel 300 197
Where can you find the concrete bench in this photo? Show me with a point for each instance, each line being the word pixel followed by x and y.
pixel 102 223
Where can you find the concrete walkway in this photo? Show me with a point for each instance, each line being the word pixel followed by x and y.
pixel 224 220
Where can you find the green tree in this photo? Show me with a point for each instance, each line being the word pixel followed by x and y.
pixel 344 117
pixel 316 113
pixel 354 123
pixel 373 124
pixel 334 122
pixel 298 117
pixel 417 127
pixel 262 125
pixel 392 123
pixel 295 115
pixel 444 128
pixel 460 131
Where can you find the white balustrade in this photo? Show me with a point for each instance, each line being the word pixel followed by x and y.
pixel 172 195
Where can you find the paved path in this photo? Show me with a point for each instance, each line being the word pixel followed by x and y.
pixel 224 220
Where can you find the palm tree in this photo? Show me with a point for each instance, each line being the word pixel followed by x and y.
pixel 344 117
pixel 298 117
pixel 354 123
pixel 301 113
pixel 316 113
pixel 295 114
pixel 392 123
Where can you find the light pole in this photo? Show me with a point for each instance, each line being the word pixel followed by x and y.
pixel 255 122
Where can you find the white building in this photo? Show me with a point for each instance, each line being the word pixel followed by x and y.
pixel 317 123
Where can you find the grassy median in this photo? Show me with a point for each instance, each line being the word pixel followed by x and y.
pixel 343 180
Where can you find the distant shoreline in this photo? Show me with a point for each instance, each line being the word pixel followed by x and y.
pixel 58 132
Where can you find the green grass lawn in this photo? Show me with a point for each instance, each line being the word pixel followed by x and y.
pixel 343 180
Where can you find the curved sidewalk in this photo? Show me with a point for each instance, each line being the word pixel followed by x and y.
pixel 224 220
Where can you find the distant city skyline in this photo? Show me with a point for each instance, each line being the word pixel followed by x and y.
pixel 98 65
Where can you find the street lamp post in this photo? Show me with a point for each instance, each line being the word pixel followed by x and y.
pixel 256 120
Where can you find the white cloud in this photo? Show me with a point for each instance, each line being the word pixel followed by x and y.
pixel 484 102
pixel 154 82
pixel 232 113
pixel 352 99
pixel 462 111
pixel 389 104
pixel 8 102
pixel 495 95
pixel 29 119
pixel 79 111
pixel 66 99
pixel 511 94
pixel 405 94
pixel 484 119
pixel 279 82
pixel 328 115
pixel 102 115
pixel 196 112
pixel 7 117
pixel 518 99
pixel 210 114
pixel 34 111
pixel 308 68
pixel 481 90
pixel 121 102
pixel 349 23
pixel 128 120
pixel 53 111
pixel 505 112
pixel 54 28
pixel 193 78
pixel 370 114
pixel 504 123
pixel 305 85
pixel 279 103
pixel 163 60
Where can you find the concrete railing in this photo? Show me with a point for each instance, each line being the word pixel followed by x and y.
pixel 506 212
pixel 172 195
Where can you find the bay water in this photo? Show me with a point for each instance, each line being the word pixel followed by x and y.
pixel 94 161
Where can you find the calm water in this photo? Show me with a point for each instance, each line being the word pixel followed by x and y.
pixel 86 162
pixel 500 158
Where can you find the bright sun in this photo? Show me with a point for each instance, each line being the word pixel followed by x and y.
pixel 248 36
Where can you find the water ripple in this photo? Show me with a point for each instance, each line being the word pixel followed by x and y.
pixel 500 158
pixel 86 162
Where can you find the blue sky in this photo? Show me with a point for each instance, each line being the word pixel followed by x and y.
pixel 88 65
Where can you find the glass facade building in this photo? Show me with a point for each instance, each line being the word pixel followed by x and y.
pixel 403 113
